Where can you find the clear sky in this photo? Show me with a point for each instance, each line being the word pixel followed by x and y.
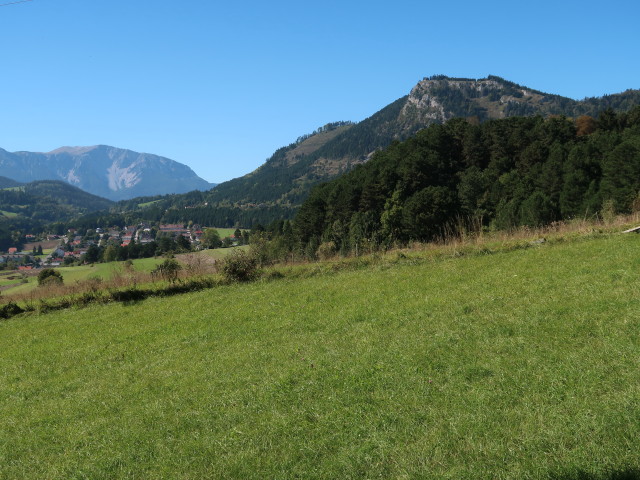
pixel 220 86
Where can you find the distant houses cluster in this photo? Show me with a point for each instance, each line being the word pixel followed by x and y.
pixel 19 260
pixel 74 245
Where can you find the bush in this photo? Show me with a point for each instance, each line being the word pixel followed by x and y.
pixel 9 310
pixel 240 267
pixel 260 249
pixel 326 250
pixel 168 270
pixel 49 276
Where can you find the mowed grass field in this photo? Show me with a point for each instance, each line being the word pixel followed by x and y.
pixel 518 365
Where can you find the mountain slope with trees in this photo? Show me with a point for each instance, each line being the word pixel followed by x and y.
pixel 277 189
pixel 281 184
pixel 8 183
pixel 501 173
pixel 50 200
pixel 433 100
pixel 29 207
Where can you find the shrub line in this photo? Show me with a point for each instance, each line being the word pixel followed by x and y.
pixel 242 269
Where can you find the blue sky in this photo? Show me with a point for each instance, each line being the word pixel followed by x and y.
pixel 220 86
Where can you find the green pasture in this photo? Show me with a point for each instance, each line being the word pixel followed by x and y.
pixel 225 232
pixel 517 365
pixel 83 272
pixel 147 204
pixel 8 214
pixel 10 278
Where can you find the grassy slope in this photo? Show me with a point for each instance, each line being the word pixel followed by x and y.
pixel 84 272
pixel 515 365
pixel 107 270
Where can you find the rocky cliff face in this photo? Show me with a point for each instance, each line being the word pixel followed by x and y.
pixel 438 99
pixel 109 172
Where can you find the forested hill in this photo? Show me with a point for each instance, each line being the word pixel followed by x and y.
pixel 502 173
pixel 7 182
pixel 284 181
pixel 286 177
pixel 49 201
pixel 28 208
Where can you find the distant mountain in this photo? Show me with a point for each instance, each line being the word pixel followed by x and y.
pixel 49 201
pixel 109 172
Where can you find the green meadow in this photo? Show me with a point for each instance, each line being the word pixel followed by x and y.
pixel 148 204
pixel 104 271
pixel 516 365
pixel 225 232
pixel 10 278
pixel 8 214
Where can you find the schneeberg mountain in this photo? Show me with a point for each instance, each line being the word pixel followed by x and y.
pixel 109 172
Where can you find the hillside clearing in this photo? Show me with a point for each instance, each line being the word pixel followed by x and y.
pixel 514 365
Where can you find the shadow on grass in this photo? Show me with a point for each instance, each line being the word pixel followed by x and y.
pixel 623 474
pixel 128 296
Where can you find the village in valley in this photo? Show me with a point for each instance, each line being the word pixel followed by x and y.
pixel 87 247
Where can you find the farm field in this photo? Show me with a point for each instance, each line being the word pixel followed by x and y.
pixel 521 364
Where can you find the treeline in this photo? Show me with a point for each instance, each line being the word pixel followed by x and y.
pixel 31 207
pixel 116 252
pixel 9 235
pixel 208 216
pixel 228 216
pixel 325 128
pixel 13 230
pixel 499 174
